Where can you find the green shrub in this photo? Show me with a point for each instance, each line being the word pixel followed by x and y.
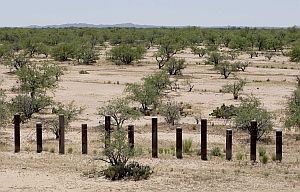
pixel 160 150
pixel 215 58
pixel 149 93
pixel 264 159
pixel 126 54
pixel 70 112
pixel 273 157
pixel 187 146
pixel 170 111
pixel 216 151
pixel 136 171
pixel 85 55
pixel 118 153
pixel 239 156
pixel 250 109
pixel 293 110
pixel 4 112
pixel 295 53
pixel 63 51
pixel 225 68
pixel 262 151
pixel 234 88
pixel 175 66
pixel 26 106
pixel 224 112
pixel 133 171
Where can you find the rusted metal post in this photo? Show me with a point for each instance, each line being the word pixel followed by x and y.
pixel 154 137
pixel 131 136
pixel 107 131
pixel 179 143
pixel 84 139
pixel 278 144
pixel 253 138
pixel 61 134
pixel 229 144
pixel 17 121
pixel 204 139
pixel 39 137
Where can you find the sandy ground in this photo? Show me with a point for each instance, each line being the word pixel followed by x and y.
pixel 28 171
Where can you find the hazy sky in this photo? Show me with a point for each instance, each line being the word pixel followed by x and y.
pixel 157 12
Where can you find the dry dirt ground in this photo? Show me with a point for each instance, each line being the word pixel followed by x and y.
pixel 29 171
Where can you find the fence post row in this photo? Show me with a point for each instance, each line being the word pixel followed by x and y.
pixel 229 144
pixel 61 134
pixel 84 139
pixel 253 138
pixel 17 121
pixel 278 144
pixel 154 137
pixel 107 131
pixel 39 137
pixel 203 147
pixel 204 139
pixel 179 143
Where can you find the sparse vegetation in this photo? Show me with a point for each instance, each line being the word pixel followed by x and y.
pixel 216 151
pixel 293 110
pixel 234 88
pixel 120 111
pixel 171 112
pixel 187 146
pixel 118 154
pixel 125 54
pixel 224 112
pixel 251 109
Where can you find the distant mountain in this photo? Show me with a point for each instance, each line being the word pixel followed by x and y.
pixel 85 25
pixel 132 25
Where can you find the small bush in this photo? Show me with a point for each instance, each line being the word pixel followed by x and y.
pixel 175 66
pixel 187 146
pixel 239 156
pixel 4 112
pixel 118 154
pixel 264 159
pixel 251 109
pixel 216 151
pixel 298 138
pixel 136 172
pixel 171 112
pixel 125 54
pixel 83 72
pixel 160 150
pixel 234 88
pixel 293 110
pixel 70 150
pixel 262 151
pixel 224 112
pixel 273 157
pixel 133 171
